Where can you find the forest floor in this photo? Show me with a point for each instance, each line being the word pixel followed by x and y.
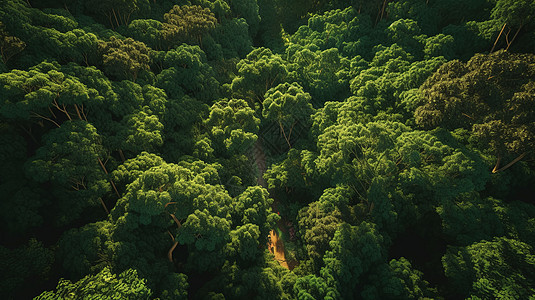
pixel 276 243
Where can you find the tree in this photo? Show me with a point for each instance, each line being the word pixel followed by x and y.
pixel 186 71
pixel 220 8
pixel 396 280
pixel 238 281
pixel 247 9
pixel 187 21
pixel 88 249
pixel 233 127
pixel 233 36
pixel 313 287
pixel 297 172
pixel 147 31
pixel 245 243
pixel 140 132
pixel 44 93
pixel 355 250
pixel 253 206
pixel 71 159
pixel 184 195
pixel 490 96
pixel 289 107
pixel 22 211
pixel 134 167
pixel 407 34
pixel 81 47
pixel 124 59
pixel 269 29
pixel 432 17
pixel 489 269
pixel 324 74
pixel 391 72
pixel 317 226
pixel 471 219
pixel 257 73
pixel 347 30
pixel 180 122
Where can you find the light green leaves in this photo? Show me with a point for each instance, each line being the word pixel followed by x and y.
pixel 233 127
pixel 104 285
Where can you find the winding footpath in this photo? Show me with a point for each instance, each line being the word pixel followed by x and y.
pixel 275 244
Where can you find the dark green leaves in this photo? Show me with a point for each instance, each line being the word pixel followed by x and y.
pixel 123 59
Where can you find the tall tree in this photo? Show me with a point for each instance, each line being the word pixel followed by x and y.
pixel 289 108
pixel 123 59
pixel 491 95
pixel 187 21
pixel 257 73
pixel 73 160
pixel 233 127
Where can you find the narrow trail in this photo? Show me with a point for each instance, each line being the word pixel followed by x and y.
pixel 276 244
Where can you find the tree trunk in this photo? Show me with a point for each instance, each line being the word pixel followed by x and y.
pixel 170 253
pixel 499 35
pixel 383 9
pixel 78 112
pixel 122 155
pixel 104 205
pixel 111 181
pixel 284 134
pixel 115 15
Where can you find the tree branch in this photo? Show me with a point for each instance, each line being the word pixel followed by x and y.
pixel 514 37
pixel 104 205
pixel 48 119
pixel 511 163
pixel 111 181
pixel 282 129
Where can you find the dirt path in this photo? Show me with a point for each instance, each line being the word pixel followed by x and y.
pixel 276 244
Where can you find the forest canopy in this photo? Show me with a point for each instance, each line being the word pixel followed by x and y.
pixel 267 149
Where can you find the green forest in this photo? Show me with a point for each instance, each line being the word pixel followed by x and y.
pixel 267 149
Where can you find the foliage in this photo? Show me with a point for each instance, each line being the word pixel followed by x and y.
pixel 235 149
pixel 257 73
pixel 124 58
pixel 9 45
pixel 501 267
pixel 233 127
pixel 28 262
pixel 489 95
pixel 186 71
pixel 186 21
pixel 104 285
